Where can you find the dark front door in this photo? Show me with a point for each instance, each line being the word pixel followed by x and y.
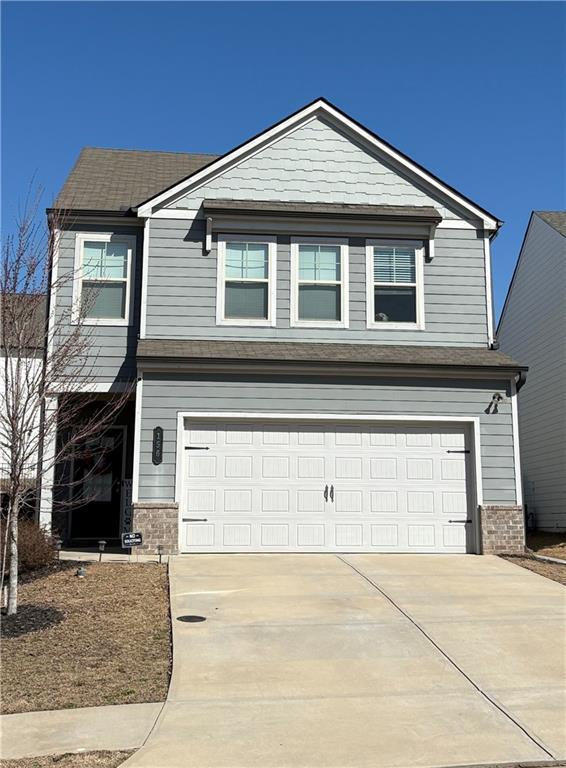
pixel 97 487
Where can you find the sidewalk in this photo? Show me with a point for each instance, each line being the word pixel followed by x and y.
pixel 54 732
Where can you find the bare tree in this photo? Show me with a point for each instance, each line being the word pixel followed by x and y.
pixel 45 402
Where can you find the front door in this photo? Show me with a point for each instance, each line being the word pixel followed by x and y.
pixel 96 489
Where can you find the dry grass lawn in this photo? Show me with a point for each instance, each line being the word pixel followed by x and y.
pixel 547 544
pixel 102 639
pixel 69 760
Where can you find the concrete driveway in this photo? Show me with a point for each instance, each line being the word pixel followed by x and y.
pixel 361 660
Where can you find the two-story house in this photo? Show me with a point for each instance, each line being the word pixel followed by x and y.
pixel 535 331
pixel 309 320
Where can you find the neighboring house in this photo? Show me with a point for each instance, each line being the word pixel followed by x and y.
pixel 533 328
pixel 309 319
pixel 21 359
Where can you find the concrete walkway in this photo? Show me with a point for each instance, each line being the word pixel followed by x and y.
pixel 376 661
pixel 32 734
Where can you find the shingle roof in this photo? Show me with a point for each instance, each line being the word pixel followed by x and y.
pixel 556 219
pixel 328 353
pixel 118 179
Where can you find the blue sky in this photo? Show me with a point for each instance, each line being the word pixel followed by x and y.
pixel 472 91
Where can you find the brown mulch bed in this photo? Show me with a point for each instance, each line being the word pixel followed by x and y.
pixel 70 760
pixel 554 571
pixel 84 642
pixel 547 544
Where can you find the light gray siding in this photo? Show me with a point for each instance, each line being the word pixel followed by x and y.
pixel 315 163
pixel 165 395
pixel 111 349
pixel 533 331
pixel 181 292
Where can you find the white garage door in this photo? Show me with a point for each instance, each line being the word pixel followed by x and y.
pixel 299 487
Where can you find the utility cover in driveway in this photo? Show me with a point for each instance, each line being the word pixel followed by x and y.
pixel 325 487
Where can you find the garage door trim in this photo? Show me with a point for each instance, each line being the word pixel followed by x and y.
pixel 471 421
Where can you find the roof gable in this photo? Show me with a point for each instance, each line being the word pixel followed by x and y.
pixel 315 163
pixel 532 236
pixel 323 116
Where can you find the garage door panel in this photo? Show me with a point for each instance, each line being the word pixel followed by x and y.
pixel 275 501
pixel 348 468
pixel 304 487
pixel 419 469
pixel 453 536
pixel 383 469
pixel 421 536
pixel 349 535
pixel 275 466
pixel 202 466
pixel 348 502
pixel 311 535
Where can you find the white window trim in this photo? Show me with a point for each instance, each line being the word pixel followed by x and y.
pixel 295 322
pixel 271 242
pixel 102 237
pixel 419 274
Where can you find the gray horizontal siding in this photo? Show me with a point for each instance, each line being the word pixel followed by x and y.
pixel 316 163
pixel 533 331
pixel 110 350
pixel 164 397
pixel 182 292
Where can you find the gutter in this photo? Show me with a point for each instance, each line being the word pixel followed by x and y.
pixel 65 212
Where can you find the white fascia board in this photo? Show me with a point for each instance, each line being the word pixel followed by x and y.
pixel 137 440
pixel 488 290
pixel 318 108
pixel 144 276
pixel 76 387
pixel 174 213
pixel 458 224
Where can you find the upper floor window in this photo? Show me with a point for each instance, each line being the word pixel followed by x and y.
pixel 103 268
pixel 246 280
pixel 395 284
pixel 319 282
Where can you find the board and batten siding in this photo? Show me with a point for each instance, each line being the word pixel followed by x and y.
pixel 533 331
pixel 111 349
pixel 164 395
pixel 181 292
pixel 315 163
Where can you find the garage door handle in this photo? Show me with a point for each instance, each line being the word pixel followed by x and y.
pixel 195 519
pixel 331 493
pixel 325 493
pixel 467 522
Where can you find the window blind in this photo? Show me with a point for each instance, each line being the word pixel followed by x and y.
pixel 394 265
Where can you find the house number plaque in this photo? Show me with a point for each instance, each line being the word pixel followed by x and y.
pixel 157 446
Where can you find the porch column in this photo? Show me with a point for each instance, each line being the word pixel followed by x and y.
pixel 48 467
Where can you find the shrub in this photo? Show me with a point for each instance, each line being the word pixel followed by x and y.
pixel 36 548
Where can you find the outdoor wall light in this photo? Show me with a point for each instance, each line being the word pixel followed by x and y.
pixel 493 407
